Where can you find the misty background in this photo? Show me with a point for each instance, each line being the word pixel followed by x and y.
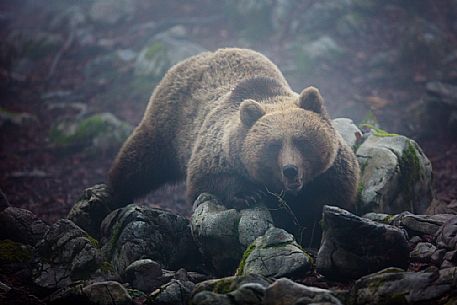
pixel 75 77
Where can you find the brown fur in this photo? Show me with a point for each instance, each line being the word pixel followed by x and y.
pixel 228 122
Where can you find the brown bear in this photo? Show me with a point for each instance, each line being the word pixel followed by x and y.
pixel 228 122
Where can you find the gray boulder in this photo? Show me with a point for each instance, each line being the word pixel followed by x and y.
pixel 91 209
pixel 176 292
pixel 421 224
pixel 16 118
pixel 134 233
pixel 245 289
pixel 144 274
pixel 423 252
pixel 66 254
pixel 22 226
pixel 353 246
pixel 412 223
pixel 351 134
pixel 99 133
pixel 394 286
pixel 285 291
pixel 109 12
pixel 396 175
pixel 446 242
pixel 107 293
pixel 446 236
pixel 275 254
pixel 222 234
pixel 162 52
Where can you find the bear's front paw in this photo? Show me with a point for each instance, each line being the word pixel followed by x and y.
pixel 246 200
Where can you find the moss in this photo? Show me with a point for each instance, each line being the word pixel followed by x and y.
pixel 85 130
pixel 378 132
pixel 359 202
pixel 117 230
pixel 13 252
pixel 247 252
pixel 135 293
pixel 154 49
pixel 106 267
pixel 389 219
pixel 93 241
pixel 410 170
pixel 224 286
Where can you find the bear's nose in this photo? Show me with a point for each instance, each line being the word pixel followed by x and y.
pixel 290 171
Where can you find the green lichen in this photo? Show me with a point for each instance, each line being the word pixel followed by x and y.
pixel 93 241
pixel 247 252
pixel 87 129
pixel 358 206
pixel 410 169
pixel 135 293
pixel 378 132
pixel 154 49
pixel 389 219
pixel 224 286
pixel 106 267
pixel 13 252
pixel 117 230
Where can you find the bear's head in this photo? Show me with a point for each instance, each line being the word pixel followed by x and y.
pixel 287 143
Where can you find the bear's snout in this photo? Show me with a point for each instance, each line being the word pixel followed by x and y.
pixel 290 171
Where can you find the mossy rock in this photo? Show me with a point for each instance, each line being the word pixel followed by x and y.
pixel 97 133
pixel 396 175
pixel 13 252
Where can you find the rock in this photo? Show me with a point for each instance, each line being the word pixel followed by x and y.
pixel 438 256
pixel 275 254
pixel 413 224
pixel 285 291
pixel 110 12
pixel 16 118
pixel 176 292
pixel 349 131
pixel 447 93
pixel 421 224
pixel 134 232
pixel 396 175
pixel 107 293
pixel 66 254
pixel 246 289
pixel 91 209
pixel 163 52
pixel 353 246
pixel 12 252
pixel 446 236
pixel 222 234
pixel 393 286
pixel 324 47
pixel 98 133
pixel 423 252
pixel 16 296
pixel 22 226
pixel 144 275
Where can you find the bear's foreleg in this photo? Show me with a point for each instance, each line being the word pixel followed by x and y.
pixel 231 189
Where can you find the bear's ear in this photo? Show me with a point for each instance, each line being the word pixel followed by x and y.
pixel 250 112
pixel 310 99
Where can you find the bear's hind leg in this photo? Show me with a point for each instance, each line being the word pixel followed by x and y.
pixel 141 165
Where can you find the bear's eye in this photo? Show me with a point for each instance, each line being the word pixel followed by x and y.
pixel 274 146
pixel 303 145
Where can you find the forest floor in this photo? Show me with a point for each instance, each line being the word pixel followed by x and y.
pixel 37 176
